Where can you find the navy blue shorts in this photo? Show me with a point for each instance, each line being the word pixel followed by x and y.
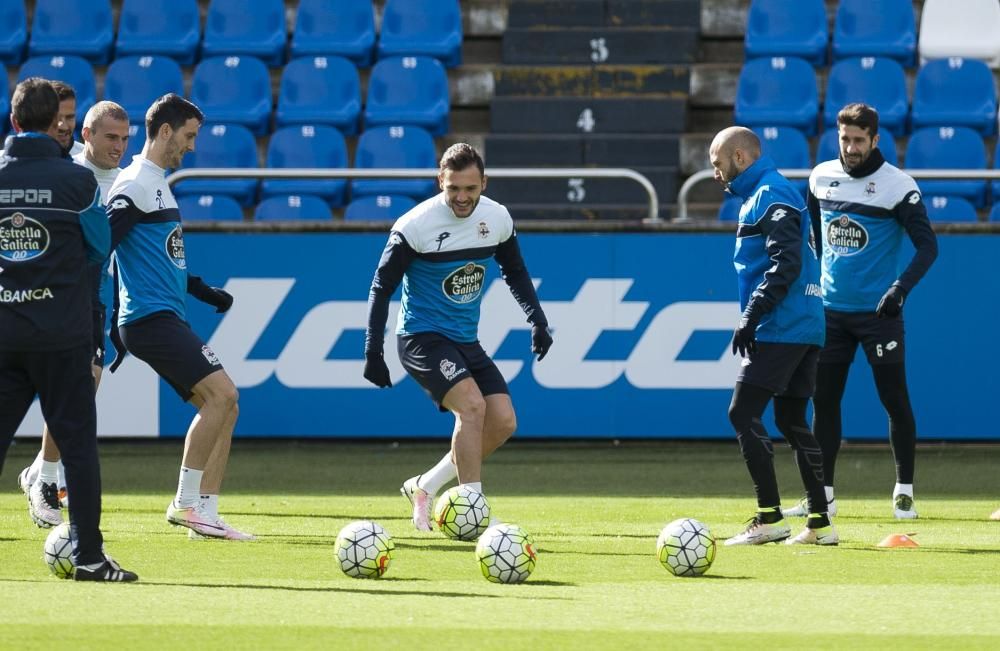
pixel 881 339
pixel 438 363
pixel 787 370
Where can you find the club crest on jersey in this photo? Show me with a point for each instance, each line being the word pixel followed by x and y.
pixel 210 355
pixel 449 369
pixel 870 189
pixel 174 247
pixel 484 230
pixel 465 284
pixel 845 237
pixel 22 238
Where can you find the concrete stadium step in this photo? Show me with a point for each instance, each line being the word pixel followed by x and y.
pixel 600 45
pixel 591 80
pixel 517 150
pixel 599 13
pixel 588 115
pixel 586 190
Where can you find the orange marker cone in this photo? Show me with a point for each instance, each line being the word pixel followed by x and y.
pixel 898 540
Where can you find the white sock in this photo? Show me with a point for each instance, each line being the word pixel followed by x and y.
pixel 829 493
pixel 36 465
pixel 48 472
pixel 902 489
pixel 210 505
pixel 437 477
pixel 188 488
pixel 61 474
pixel 474 485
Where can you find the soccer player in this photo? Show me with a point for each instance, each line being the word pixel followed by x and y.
pixel 65 123
pixel 105 134
pixel 439 251
pixel 153 277
pixel 778 335
pixel 862 205
pixel 53 236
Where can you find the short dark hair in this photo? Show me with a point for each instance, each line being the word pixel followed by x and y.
pixel 460 156
pixel 63 90
pixel 859 115
pixel 34 105
pixel 170 109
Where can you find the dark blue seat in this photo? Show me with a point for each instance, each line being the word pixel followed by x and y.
pixel 335 28
pixel 234 27
pixel 4 108
pixel 382 207
pixel 15 32
pixel 775 29
pixel 408 90
pixel 134 82
pixel 222 146
pixel 788 148
pixel 422 27
pixel 777 91
pixel 829 146
pixel 878 28
pixel 291 207
pixel 729 209
pixel 995 185
pixel 169 28
pixel 955 92
pixel 71 70
pixel 320 90
pixel 233 90
pixel 209 207
pixel 995 212
pixel 399 147
pixel 949 148
pixel 950 209
pixel 136 141
pixel 79 27
pixel 307 146
pixel 880 83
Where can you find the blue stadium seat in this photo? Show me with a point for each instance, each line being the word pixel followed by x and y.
pixel 729 209
pixel 292 206
pixel 136 140
pixel 422 27
pixel 400 147
pixel 79 27
pixel 382 207
pixel 335 28
pixel 955 92
pixel 880 83
pixel 775 29
pixel 71 70
pixel 4 108
pixel 788 148
pixel 950 209
pixel 829 146
pixel 995 185
pixel 777 91
pixel 222 146
pixel 209 207
pixel 947 148
pixel 169 28
pixel 15 32
pixel 995 212
pixel 408 90
pixel 233 90
pixel 879 28
pixel 320 90
pixel 234 28
pixel 134 82
pixel 307 146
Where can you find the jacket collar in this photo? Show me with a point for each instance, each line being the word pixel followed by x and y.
pixel 747 181
pixel 32 144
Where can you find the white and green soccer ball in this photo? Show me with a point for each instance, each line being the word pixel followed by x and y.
pixel 364 550
pixel 462 513
pixel 506 554
pixel 58 551
pixel 686 547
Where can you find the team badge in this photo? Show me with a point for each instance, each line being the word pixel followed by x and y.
pixel 449 369
pixel 484 230
pixel 870 188
pixel 210 356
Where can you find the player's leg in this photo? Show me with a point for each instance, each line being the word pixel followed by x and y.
pixel 466 403
pixel 16 394
pixel 500 423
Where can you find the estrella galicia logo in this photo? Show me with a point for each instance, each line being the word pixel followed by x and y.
pixel 845 237
pixel 175 247
pixel 465 284
pixel 22 238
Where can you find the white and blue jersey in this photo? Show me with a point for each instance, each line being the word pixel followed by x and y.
pixel 105 179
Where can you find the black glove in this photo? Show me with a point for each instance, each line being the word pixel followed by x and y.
pixel 541 340
pixel 745 338
pixel 376 371
pixel 220 299
pixel 892 303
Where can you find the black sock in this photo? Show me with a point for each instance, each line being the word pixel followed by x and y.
pixel 890 380
pixel 790 417
pixel 818 521
pixel 831 379
pixel 747 407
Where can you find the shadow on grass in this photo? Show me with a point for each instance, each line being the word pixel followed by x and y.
pixel 401 593
pixel 931 550
pixel 465 548
pixel 546 550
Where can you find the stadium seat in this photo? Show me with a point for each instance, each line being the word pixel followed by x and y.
pixel 399 147
pixel 995 185
pixel 169 28
pixel 15 33
pixel 222 146
pixel 335 28
pixel 729 209
pixel 4 108
pixel 950 209
pixel 71 70
pixel 788 148
pixel 777 91
pixel 233 90
pixel 209 207
pixel 320 90
pixel 135 81
pixel 948 148
pixel 136 140
pixel 968 30
pixel 307 146
pixel 293 206
pixel 382 207
pixel 408 90
pixel 875 28
pixel 995 212
pixel 829 146
pixel 774 29
pixel 881 83
pixel 955 92
pixel 422 27
pixel 72 27
pixel 234 28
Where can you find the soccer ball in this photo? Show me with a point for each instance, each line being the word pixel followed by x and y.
pixel 506 554
pixel 462 513
pixel 59 551
pixel 364 550
pixel 686 547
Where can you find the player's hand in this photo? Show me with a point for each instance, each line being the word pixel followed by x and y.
pixel 892 303
pixel 376 370
pixel 745 338
pixel 541 340
pixel 218 298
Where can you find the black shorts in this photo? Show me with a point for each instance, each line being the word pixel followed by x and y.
pixel 787 370
pixel 438 363
pixel 172 349
pixel 882 339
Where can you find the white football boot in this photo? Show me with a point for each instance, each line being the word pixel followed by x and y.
pixel 421 502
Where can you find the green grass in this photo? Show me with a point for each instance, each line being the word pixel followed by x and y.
pixel 594 510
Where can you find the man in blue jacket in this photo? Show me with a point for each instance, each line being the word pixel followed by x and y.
pixel 778 336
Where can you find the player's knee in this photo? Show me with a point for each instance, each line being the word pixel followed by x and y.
pixel 472 410
pixel 507 425
pixel 739 418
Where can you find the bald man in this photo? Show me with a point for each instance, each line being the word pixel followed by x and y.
pixel 779 334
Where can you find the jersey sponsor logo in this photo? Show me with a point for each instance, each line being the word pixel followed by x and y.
pixel 449 369
pixel 210 355
pixel 914 198
pixel 25 295
pixel 25 195
pixel 891 345
pixel 119 204
pixel 441 238
pixel 778 214
pixel 465 284
pixel 812 289
pixel 846 236
pixel 174 246
pixel 22 238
